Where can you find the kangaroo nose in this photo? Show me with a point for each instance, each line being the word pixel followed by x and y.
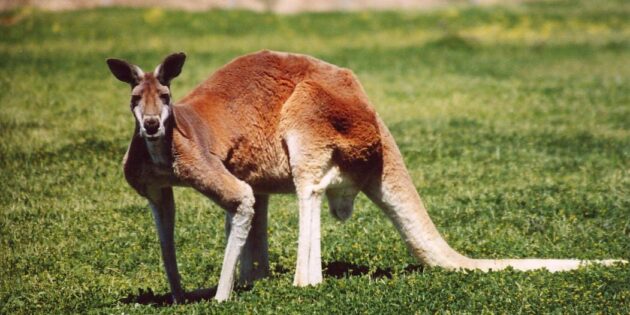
pixel 151 125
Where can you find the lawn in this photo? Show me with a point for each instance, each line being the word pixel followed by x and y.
pixel 514 123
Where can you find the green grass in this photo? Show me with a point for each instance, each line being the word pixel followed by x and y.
pixel 514 123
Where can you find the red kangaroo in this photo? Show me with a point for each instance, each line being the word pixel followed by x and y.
pixel 268 123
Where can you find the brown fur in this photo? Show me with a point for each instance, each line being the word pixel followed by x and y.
pixel 273 122
pixel 228 139
pixel 242 112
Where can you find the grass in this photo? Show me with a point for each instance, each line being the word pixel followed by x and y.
pixel 514 123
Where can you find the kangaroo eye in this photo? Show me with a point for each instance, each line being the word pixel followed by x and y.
pixel 134 100
pixel 166 98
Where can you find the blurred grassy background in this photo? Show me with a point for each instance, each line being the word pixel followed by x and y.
pixel 514 123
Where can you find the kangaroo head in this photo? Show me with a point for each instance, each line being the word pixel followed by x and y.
pixel 150 92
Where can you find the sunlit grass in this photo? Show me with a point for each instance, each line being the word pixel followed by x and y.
pixel 513 121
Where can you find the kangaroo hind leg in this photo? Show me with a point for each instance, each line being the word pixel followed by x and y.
pixel 313 172
pixel 309 263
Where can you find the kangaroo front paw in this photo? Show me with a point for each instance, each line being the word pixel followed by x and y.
pixel 178 298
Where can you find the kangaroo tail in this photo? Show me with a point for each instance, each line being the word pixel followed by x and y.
pixel 394 192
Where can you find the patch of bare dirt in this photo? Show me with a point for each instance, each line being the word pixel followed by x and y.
pixel 278 6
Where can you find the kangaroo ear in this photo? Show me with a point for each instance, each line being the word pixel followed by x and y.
pixel 125 71
pixel 170 68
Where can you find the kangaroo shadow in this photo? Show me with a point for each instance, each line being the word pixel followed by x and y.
pixel 342 269
pixel 148 297
pixel 334 269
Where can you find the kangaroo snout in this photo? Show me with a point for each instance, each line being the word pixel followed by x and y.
pixel 151 125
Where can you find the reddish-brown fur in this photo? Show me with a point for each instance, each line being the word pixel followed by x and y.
pixel 277 123
pixel 237 115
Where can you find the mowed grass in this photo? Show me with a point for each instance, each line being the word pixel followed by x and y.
pixel 514 123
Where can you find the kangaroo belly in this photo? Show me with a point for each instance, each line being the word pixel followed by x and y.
pixel 263 165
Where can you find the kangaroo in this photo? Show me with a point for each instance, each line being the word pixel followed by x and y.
pixel 268 123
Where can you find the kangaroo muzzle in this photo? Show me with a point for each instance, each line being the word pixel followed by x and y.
pixel 151 125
